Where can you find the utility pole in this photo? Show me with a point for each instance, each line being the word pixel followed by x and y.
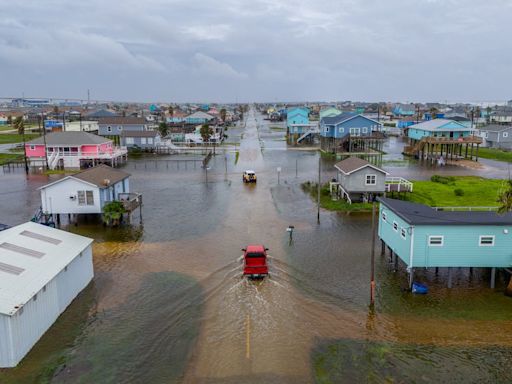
pixel 296 168
pixel 24 146
pixel 44 140
pixel 64 121
pixel 318 190
pixel 372 258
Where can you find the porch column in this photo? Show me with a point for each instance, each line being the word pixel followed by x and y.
pixel 493 277
pixel 449 277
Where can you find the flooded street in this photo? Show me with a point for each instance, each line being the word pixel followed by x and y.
pixel 168 304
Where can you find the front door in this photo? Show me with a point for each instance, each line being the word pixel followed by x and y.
pixel 355 131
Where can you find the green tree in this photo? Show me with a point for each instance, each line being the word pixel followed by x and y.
pixel 19 125
pixel 505 199
pixel 206 132
pixel 223 114
pixel 163 128
pixel 113 213
pixel 433 112
pixel 56 109
pixel 171 110
pixel 9 119
pixel 488 116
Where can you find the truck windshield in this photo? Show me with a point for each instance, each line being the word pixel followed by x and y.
pixel 255 255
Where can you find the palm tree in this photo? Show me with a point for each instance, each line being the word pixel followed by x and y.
pixel 163 128
pixel 171 110
pixel 205 132
pixel 433 113
pixel 19 125
pixel 223 114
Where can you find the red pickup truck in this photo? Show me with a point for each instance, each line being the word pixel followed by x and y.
pixel 255 261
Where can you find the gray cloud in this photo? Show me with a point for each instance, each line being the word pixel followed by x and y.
pixel 231 50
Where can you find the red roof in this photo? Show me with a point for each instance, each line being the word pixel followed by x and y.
pixel 255 248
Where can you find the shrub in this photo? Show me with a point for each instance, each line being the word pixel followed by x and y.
pixel 458 192
pixel 442 179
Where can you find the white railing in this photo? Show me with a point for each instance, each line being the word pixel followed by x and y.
pixel 402 184
pixel 308 132
pixel 470 209
pixel 53 160
pixel 117 151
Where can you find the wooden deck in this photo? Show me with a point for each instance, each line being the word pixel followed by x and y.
pixel 131 201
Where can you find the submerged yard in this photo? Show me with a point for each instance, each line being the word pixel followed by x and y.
pixel 495 154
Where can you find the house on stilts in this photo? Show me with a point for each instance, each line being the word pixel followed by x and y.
pixel 350 134
pixel 419 236
pixel 442 139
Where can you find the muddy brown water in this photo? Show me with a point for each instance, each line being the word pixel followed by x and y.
pixel 168 304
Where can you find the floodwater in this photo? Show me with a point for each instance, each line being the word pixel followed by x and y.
pixel 168 304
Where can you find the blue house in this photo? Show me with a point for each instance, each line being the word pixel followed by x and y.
pixel 422 237
pixel 199 117
pixel 296 120
pixel 404 110
pixel 438 138
pixel 336 132
pixel 439 128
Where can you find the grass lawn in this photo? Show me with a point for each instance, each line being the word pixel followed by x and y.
pixel 495 154
pixel 338 205
pixel 6 157
pixel 476 191
pixel 277 128
pixel 8 138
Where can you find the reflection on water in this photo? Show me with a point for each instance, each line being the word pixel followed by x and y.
pixel 168 303
pixel 350 361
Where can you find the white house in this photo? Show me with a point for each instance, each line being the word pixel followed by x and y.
pixel 42 270
pixel 86 191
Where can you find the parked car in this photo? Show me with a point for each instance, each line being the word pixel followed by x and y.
pixel 249 176
pixel 255 261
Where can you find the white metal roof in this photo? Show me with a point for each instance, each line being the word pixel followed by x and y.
pixel 31 255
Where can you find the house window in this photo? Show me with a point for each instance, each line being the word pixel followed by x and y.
pixel 326 129
pixel 143 140
pixel 119 128
pixel 384 216
pixel 129 140
pixel 342 130
pixel 32 147
pixel 371 179
pixel 487 241
pixel 109 129
pixel 85 198
pixel 365 129
pixel 81 197
pixel 403 233
pixel 395 226
pixel 89 197
pixel 436 241
pixel 505 134
pixel 150 140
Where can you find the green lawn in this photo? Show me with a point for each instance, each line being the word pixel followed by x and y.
pixel 8 138
pixel 476 191
pixel 6 157
pixel 333 205
pixel 495 154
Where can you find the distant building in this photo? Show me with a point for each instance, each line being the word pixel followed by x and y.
pixel 402 110
pixel 146 140
pixel 84 126
pixel 114 126
pixel 497 136
pixel 101 113
pixel 509 103
pixel 42 270
pixel 501 117
pixel 3 119
pixel 85 192
pixel 329 112
pixel 199 117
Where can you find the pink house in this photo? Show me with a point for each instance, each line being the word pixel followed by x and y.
pixel 73 150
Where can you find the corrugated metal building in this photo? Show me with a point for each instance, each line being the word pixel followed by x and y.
pixel 42 270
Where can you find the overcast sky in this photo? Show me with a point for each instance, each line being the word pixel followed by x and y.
pixel 258 50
